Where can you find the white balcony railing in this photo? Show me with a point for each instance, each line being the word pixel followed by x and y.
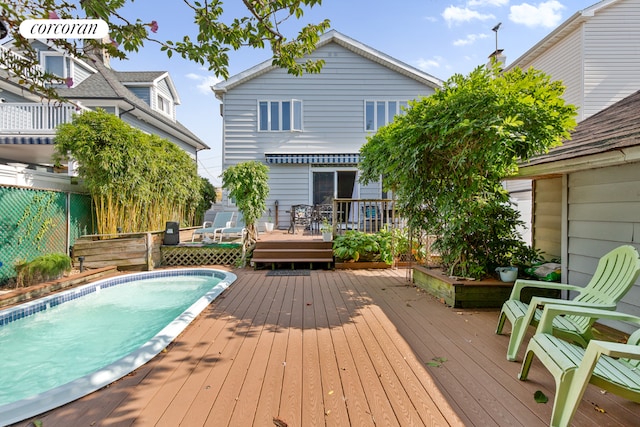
pixel 8 56
pixel 17 117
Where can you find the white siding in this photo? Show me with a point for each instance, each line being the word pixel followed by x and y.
pixel 563 62
pixel 603 213
pixel 547 213
pixel 611 55
pixel 333 104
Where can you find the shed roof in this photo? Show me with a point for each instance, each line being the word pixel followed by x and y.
pixel 613 129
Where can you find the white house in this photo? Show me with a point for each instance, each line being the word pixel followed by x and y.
pixel 587 196
pixel 309 129
pixel 146 100
pixel 595 54
pixel 584 193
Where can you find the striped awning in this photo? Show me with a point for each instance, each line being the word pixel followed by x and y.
pixel 26 140
pixel 316 159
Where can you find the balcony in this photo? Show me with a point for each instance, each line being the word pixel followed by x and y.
pixel 33 118
pixel 9 56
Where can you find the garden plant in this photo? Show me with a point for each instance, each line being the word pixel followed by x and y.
pixel 447 156
pixel 137 181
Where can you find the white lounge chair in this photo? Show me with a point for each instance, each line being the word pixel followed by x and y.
pixel 220 221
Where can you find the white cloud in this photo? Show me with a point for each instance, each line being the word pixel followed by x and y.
pixel 470 39
pixel 546 14
pixel 457 15
pixel 481 3
pixel 431 19
pixel 204 82
pixel 429 64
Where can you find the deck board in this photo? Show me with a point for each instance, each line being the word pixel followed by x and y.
pixel 336 348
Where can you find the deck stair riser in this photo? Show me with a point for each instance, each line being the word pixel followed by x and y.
pixel 292 251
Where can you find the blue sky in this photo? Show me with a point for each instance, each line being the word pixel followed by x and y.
pixel 439 37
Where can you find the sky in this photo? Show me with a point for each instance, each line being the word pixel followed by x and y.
pixel 439 37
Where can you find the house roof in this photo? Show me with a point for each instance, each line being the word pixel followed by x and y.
pixel 107 84
pixel 560 33
pixel 614 130
pixel 334 36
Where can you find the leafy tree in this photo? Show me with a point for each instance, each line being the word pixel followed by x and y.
pixel 137 181
pixel 208 193
pixel 262 25
pixel 447 156
pixel 248 185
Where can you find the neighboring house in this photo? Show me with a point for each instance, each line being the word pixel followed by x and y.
pixel 309 129
pixel 146 100
pixel 42 209
pixel 587 194
pixel 595 54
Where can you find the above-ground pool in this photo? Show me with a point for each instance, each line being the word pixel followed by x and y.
pixel 64 346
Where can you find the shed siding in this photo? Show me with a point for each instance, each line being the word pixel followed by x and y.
pixel 611 59
pixel 603 213
pixel 547 213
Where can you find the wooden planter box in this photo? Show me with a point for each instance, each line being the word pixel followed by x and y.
pixel 361 265
pixel 458 293
pixel 129 251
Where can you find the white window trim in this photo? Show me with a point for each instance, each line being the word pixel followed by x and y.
pixel 166 99
pixel 292 117
pixel 68 71
pixel 399 105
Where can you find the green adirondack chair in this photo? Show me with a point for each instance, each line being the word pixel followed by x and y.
pixel 611 366
pixel 614 276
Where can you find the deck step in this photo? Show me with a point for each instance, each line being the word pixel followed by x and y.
pixel 293 251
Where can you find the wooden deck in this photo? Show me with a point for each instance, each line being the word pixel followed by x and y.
pixel 336 348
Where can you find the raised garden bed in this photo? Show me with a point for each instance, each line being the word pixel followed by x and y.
pixel 361 265
pixel 461 293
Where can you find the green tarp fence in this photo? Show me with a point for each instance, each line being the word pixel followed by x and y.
pixel 35 222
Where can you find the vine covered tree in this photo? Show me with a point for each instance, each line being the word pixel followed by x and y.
pixel 248 186
pixel 263 24
pixel 137 181
pixel 447 156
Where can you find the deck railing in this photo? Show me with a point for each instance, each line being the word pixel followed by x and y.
pixel 368 215
pixel 24 117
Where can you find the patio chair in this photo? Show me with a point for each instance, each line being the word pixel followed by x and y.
pixel 221 220
pixel 240 228
pixel 301 216
pixel 611 366
pixel 614 276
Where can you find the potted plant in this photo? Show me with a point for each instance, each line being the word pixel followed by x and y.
pixel 327 230
pixel 268 225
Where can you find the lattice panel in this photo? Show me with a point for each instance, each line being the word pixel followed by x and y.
pixel 189 255
pixel 32 223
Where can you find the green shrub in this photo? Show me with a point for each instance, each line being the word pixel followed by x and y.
pixel 355 246
pixel 42 269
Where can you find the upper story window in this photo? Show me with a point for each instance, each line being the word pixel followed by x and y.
pixel 280 115
pixel 163 104
pixel 380 113
pixel 57 64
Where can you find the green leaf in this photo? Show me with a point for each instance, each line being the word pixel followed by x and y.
pixel 540 397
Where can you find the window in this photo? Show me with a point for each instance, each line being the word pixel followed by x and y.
pixel 280 115
pixel 163 104
pixel 380 113
pixel 56 64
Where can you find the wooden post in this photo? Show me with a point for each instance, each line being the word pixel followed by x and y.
pixel 149 247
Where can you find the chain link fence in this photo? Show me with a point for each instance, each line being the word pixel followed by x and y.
pixel 36 222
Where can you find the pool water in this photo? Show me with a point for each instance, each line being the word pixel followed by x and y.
pixel 70 340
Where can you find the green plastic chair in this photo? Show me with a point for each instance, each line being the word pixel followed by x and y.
pixel 610 366
pixel 614 276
